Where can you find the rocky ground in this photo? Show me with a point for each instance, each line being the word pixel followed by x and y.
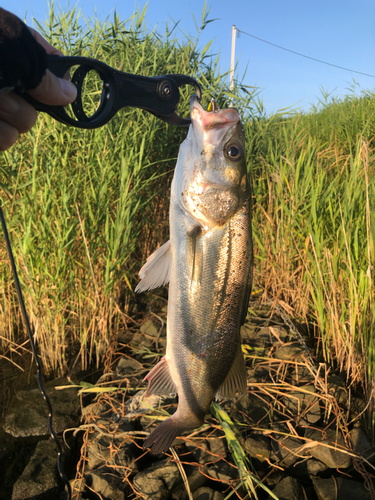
pixel 297 434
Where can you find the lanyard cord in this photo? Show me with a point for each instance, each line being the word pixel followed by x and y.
pixel 60 469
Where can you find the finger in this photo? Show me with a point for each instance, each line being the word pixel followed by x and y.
pixel 54 91
pixel 8 135
pixel 50 49
pixel 16 112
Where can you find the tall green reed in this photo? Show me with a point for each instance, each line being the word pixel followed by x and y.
pixel 85 208
pixel 314 225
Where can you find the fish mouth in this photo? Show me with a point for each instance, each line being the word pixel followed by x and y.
pixel 194 101
pixel 208 120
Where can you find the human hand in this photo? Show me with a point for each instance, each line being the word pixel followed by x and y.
pixel 17 116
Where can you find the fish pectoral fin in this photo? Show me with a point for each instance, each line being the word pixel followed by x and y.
pixel 157 270
pixel 160 379
pixel 236 380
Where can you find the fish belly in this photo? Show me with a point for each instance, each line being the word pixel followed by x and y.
pixel 209 289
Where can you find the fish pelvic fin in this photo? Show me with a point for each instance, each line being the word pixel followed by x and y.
pixel 161 438
pixel 157 270
pixel 160 380
pixel 236 380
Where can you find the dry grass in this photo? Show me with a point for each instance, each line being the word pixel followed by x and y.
pixel 268 331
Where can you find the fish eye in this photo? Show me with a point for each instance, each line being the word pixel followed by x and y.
pixel 233 152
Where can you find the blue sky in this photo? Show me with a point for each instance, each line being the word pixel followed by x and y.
pixel 339 32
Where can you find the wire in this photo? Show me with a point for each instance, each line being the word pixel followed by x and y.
pixel 303 55
pixel 60 469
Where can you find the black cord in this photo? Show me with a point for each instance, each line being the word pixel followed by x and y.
pixel 60 469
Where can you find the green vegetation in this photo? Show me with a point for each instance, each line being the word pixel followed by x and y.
pixel 85 208
pixel 240 458
pixel 314 224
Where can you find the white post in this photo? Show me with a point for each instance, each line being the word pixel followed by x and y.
pixel 232 60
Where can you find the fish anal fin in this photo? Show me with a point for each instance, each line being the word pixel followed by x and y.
pixel 236 380
pixel 157 270
pixel 160 379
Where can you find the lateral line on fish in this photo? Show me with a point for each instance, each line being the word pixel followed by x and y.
pixel 227 272
pixel 195 233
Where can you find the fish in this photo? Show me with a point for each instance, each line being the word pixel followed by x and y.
pixel 208 263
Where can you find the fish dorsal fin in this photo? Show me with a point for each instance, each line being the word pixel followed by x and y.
pixel 157 270
pixel 236 380
pixel 160 379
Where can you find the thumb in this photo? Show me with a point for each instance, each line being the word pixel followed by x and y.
pixel 54 91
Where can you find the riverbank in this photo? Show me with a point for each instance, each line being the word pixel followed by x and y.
pixel 299 430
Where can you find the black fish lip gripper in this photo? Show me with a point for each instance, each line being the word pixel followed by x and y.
pixel 158 95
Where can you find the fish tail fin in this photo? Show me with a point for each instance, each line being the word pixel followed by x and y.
pixel 161 438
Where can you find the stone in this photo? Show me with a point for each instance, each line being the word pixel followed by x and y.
pixel 208 450
pixel 315 467
pixel 260 372
pixel 222 471
pixel 258 446
pixel 248 331
pixel 357 407
pixel 118 453
pixel 257 336
pixel 362 444
pixel 288 489
pixel 289 352
pixel 273 479
pixel 303 404
pixel 151 328
pixel 285 448
pixel 333 458
pixel 249 407
pixel 106 484
pixel 78 488
pixel 336 387
pixel 28 412
pixel 309 469
pixel 139 340
pixel 128 367
pixel 337 488
pixel 15 454
pixel 205 493
pixel 39 480
pixel 157 481
pixel 300 375
pixel 278 334
pixel 95 409
pixel 196 477
pixel 124 337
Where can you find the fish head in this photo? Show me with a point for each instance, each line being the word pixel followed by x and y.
pixel 211 173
